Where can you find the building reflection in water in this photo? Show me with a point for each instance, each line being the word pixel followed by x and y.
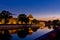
pixel 22 32
pixel 30 31
pixel 27 31
pixel 5 35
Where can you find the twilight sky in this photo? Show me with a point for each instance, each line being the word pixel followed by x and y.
pixel 38 8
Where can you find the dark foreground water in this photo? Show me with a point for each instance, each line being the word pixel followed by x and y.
pixel 33 36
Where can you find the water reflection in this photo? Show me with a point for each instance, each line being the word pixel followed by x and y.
pixel 1 36
pixel 32 35
pixel 35 29
pixel 30 32
pixel 5 36
pixel 23 33
pixel 27 31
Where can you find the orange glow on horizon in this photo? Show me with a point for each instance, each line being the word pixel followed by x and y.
pixel 50 18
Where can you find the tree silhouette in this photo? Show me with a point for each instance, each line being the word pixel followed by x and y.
pixel 58 23
pixel 22 18
pixel 49 24
pixel 0 17
pixel 55 23
pixel 35 21
pixel 26 20
pixel 6 15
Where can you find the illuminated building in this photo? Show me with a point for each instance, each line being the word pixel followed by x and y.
pixel 30 18
pixel 15 20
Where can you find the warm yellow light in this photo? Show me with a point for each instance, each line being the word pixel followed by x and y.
pixel 30 32
pixel 19 22
pixel 0 23
pixel 42 24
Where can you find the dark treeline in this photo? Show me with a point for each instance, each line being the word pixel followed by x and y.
pixel 6 15
pixel 54 24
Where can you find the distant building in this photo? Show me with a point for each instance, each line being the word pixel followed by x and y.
pixel 42 23
pixel 30 18
pixel 13 21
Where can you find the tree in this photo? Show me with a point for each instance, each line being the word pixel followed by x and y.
pixel 49 24
pixel 22 18
pixel 55 23
pixel 26 20
pixel 35 21
pixel 6 15
pixel 0 17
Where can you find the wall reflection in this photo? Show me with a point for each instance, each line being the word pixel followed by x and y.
pixel 27 31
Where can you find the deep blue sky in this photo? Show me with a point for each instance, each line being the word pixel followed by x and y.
pixel 38 8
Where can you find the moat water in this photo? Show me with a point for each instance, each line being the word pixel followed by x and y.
pixel 33 35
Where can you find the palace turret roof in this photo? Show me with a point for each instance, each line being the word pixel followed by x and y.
pixel 30 16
